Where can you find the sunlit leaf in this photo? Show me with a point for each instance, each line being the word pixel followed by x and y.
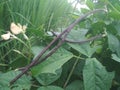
pixel 85 49
pixel 90 4
pixel 53 63
pixel 36 50
pixel 77 35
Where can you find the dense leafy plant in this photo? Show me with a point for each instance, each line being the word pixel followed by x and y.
pixel 85 57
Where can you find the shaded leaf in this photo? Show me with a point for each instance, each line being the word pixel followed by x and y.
pixel 50 88
pixel 76 85
pixel 98 26
pixel 79 68
pixel 19 62
pixel 117 27
pixel 48 78
pixel 114 44
pixel 95 76
pixel 17 88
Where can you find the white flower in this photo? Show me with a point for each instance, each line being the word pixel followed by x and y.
pixel 17 29
pixel 6 36
pixel 19 25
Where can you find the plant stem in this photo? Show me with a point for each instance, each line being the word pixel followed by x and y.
pixel 83 41
pixel 71 72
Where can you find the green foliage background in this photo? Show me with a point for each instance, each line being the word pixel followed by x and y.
pixel 89 66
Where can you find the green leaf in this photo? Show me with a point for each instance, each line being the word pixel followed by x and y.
pixel 97 26
pixel 17 88
pixel 7 77
pixel 5 88
pixel 95 76
pixel 77 35
pixel 37 49
pixel 53 63
pixel 115 5
pixel 115 57
pixel 117 27
pixel 79 68
pixel 48 78
pixel 90 4
pixel 114 44
pixel 85 49
pixel 115 15
pixel 23 82
pixel 118 88
pixel 50 88
pixel 19 62
pixel 76 85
